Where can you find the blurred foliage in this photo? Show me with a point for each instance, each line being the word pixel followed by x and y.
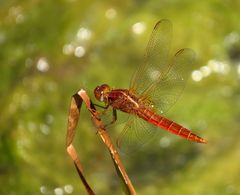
pixel 50 49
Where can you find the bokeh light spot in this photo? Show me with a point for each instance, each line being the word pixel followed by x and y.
pixel 68 188
pixel 153 74
pixel 111 13
pixel 58 191
pixel 197 75
pixel 206 71
pixel 164 142
pixel 42 65
pixel 84 34
pixel 44 129
pixel 68 49
pixel 43 189
pixel 79 51
pixel 232 38
pixel 20 18
pixel 139 28
pixel 218 66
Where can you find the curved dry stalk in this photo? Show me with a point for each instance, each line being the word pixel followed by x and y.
pixel 74 114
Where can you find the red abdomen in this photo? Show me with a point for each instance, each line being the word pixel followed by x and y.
pixel 169 125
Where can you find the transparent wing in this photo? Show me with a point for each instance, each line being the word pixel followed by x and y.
pixel 161 78
pixel 156 59
pixel 165 91
pixel 135 134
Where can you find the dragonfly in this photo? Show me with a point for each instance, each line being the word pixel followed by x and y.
pixel 154 88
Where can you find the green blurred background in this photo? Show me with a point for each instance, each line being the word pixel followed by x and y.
pixel 50 49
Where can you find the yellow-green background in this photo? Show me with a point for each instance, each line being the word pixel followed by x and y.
pixel 34 103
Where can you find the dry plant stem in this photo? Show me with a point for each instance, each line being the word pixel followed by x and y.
pixel 74 114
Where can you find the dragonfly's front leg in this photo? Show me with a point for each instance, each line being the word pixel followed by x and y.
pixel 102 112
pixel 114 113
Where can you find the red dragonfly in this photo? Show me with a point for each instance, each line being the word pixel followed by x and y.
pixel 155 86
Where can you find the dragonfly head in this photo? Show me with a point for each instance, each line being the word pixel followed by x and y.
pixel 101 92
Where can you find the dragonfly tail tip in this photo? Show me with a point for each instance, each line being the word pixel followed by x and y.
pixel 203 141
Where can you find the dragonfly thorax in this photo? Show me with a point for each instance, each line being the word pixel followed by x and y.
pixel 101 92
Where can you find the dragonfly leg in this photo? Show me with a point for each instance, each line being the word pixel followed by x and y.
pixel 100 106
pixel 114 118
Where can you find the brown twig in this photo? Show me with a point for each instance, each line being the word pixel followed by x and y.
pixel 73 118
